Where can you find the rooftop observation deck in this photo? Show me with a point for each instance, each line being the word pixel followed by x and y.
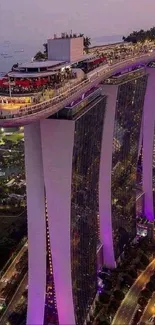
pixel 30 113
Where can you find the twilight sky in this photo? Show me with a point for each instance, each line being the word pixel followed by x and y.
pixel 40 19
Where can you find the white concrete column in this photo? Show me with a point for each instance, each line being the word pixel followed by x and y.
pixel 36 225
pixel 148 136
pixel 57 148
pixel 105 210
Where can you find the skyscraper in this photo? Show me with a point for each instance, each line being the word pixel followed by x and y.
pixel 148 141
pixel 81 166
pixel 70 146
pixel 121 135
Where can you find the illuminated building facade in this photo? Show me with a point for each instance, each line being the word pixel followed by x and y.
pixel 84 206
pixel 50 314
pixel 69 161
pixel 121 135
pixel 66 168
pixel 148 143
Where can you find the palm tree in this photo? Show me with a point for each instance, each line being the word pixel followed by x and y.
pixel 39 56
pixel 86 42
pixel 45 49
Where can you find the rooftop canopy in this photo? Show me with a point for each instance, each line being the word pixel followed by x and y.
pixel 18 74
pixel 40 64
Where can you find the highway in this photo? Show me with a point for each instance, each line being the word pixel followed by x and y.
pixel 45 109
pixel 127 308
pixel 14 301
pixel 12 268
pixel 149 311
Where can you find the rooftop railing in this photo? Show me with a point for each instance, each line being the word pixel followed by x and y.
pixel 45 104
pixel 51 105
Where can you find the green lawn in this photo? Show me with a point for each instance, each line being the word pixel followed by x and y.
pixel 14 137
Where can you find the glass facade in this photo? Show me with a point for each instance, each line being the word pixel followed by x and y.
pixel 140 169
pixel 128 116
pixel 51 315
pixel 85 205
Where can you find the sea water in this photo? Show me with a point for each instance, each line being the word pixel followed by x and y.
pixel 11 53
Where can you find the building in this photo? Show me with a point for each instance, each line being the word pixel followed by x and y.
pixel 121 136
pixel 68 49
pixel 81 150
pixel 148 143
pixel 64 175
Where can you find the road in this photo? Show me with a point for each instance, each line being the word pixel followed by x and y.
pixel 11 269
pixel 127 308
pixel 149 310
pixel 14 301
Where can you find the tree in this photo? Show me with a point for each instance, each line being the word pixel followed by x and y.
pixel 39 56
pixel 103 322
pixel 140 36
pixel 108 284
pixel 144 260
pixel 86 42
pixel 45 45
pixel 118 295
pixel 145 293
pixel 142 301
pixel 140 266
pixel 113 306
pixel 98 307
pixel 102 276
pixel 128 279
pixel 152 278
pixel 104 298
pixel 133 273
pixel 151 286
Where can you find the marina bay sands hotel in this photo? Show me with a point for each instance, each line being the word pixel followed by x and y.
pixel 86 124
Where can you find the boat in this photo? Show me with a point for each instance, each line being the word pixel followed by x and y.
pixel 19 51
pixel 8 56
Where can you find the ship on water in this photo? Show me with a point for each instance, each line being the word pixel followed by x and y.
pixel 19 51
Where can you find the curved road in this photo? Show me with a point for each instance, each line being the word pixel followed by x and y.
pixel 11 270
pixel 127 308
pixel 149 311
pixel 11 306
pixel 52 106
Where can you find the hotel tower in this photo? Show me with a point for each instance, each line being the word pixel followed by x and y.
pixel 62 172
pixel 85 124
